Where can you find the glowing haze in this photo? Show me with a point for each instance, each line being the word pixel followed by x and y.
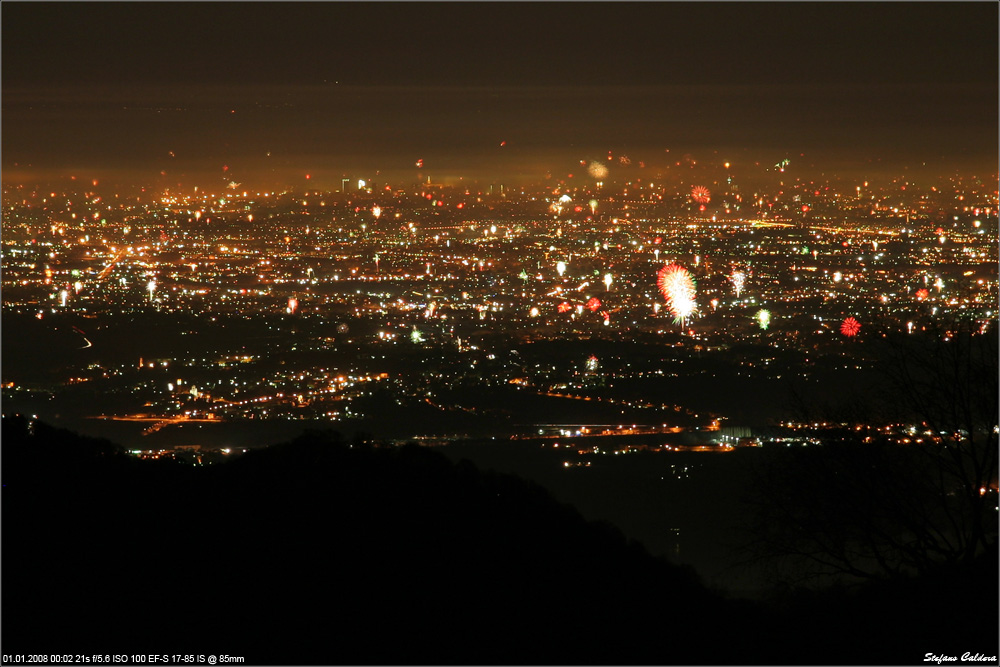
pixel 487 90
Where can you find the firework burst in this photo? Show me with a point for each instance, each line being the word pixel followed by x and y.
pixel 850 327
pixel 738 279
pixel 597 170
pixel 701 194
pixel 678 289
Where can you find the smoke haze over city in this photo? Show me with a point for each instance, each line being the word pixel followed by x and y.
pixel 509 91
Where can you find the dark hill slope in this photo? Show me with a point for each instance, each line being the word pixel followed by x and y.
pixel 316 551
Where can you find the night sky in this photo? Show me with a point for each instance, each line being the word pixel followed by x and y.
pixel 162 93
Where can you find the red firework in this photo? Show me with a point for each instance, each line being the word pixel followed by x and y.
pixel 678 289
pixel 593 304
pixel 850 327
pixel 673 279
pixel 922 294
pixel 565 307
pixel 701 194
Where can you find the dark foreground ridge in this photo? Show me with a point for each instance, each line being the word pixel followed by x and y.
pixel 321 552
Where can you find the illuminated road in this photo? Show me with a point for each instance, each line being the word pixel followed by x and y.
pixel 160 421
pixel 835 230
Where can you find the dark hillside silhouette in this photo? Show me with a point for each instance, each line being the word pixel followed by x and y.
pixel 322 552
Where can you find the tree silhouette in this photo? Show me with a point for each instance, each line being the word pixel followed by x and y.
pixel 949 381
pixel 870 507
